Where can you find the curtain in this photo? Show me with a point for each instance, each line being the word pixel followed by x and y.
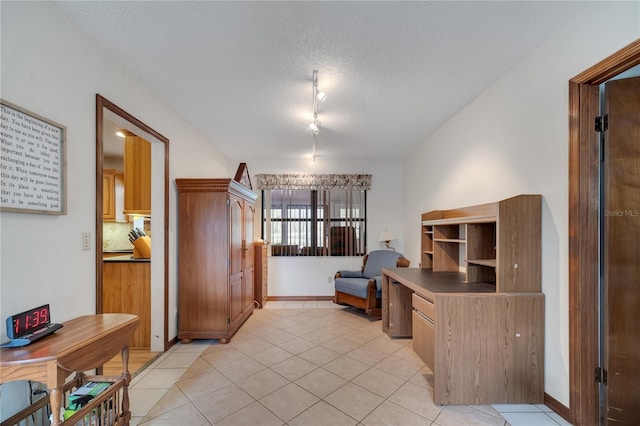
pixel 309 182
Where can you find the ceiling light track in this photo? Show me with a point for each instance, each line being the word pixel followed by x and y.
pixel 318 96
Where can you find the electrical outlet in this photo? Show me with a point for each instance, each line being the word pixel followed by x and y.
pixel 86 241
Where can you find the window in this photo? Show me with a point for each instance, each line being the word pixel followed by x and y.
pixel 316 221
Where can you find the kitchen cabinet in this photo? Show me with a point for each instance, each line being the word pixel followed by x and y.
pixel 215 258
pixel 126 288
pixel 113 196
pixel 137 176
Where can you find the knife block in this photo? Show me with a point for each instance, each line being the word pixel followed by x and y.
pixel 142 248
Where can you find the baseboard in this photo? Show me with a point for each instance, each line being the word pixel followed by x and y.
pixel 172 342
pixel 297 298
pixel 556 406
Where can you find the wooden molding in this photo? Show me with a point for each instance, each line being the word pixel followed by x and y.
pixel 297 298
pixel 583 231
pixel 619 62
pixel 562 410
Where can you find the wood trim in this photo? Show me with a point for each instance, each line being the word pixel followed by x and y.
pixel 167 343
pixel 101 104
pixel 216 185
pixel 619 62
pixel 562 410
pixel 298 298
pixel 583 231
pixel 99 203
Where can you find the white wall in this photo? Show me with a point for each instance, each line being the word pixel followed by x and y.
pixel 51 67
pixel 514 139
pixel 308 276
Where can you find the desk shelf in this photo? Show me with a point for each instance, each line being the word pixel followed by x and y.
pixel 483 262
pixel 497 242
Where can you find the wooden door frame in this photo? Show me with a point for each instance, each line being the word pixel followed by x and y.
pixel 102 104
pixel 584 188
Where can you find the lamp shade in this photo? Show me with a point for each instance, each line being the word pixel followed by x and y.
pixel 386 236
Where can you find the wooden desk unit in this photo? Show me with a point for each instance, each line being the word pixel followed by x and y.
pixel 480 329
pixel 83 344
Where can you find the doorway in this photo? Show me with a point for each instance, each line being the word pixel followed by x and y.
pixel 584 211
pixel 108 117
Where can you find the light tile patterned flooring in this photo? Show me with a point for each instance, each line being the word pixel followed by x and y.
pixel 305 363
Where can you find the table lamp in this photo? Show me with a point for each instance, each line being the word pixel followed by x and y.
pixel 387 236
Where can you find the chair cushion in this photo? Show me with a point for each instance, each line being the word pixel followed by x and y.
pixel 379 259
pixel 354 286
pixel 351 274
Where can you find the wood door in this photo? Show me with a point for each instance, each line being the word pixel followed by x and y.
pixel 621 225
pixel 203 290
pixel 248 256
pixel 236 225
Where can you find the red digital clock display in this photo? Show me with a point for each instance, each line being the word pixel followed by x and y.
pixel 28 321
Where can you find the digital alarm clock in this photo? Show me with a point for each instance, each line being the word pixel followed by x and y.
pixel 28 326
pixel 28 321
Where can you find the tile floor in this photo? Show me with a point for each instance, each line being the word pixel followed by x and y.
pixel 305 363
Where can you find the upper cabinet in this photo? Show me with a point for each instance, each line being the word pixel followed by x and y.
pixel 113 196
pixel 137 176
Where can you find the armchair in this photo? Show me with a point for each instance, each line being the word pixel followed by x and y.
pixel 363 289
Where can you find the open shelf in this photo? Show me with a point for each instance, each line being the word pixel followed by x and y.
pixel 472 239
pixel 483 262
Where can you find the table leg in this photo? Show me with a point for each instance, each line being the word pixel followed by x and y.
pixel 126 414
pixel 55 399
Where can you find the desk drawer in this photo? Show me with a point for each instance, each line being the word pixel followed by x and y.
pixel 424 339
pixel 423 306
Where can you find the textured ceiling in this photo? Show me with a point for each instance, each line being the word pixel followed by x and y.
pixel 240 72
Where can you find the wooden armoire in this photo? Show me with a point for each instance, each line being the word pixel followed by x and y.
pixel 215 256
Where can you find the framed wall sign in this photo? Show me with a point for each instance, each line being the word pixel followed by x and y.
pixel 32 162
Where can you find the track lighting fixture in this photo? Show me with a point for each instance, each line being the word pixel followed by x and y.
pixel 318 96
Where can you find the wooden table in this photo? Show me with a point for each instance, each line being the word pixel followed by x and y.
pixel 84 343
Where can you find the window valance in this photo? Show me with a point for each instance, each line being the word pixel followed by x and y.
pixel 311 182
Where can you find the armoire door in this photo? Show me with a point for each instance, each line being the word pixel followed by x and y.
pixel 248 274
pixel 236 225
pixel 621 252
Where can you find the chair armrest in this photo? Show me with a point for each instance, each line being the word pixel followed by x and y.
pixel 349 274
pixel 378 281
pixel 402 262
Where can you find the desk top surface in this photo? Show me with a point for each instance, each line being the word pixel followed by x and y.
pixel 420 280
pixel 75 336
